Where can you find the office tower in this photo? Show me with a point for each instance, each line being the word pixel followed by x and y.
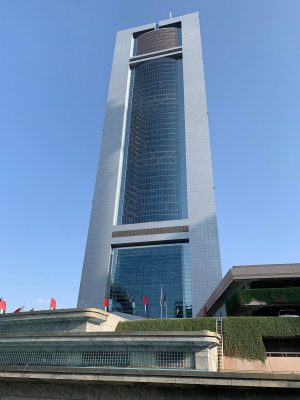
pixel 153 234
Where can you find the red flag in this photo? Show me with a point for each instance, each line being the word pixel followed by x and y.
pixel 145 300
pixel 19 309
pixel 52 304
pixel 105 301
pixel 2 306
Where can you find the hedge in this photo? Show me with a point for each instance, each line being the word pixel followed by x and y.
pixel 289 295
pixel 242 336
pixel 168 324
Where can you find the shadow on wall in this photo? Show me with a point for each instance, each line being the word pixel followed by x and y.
pixel 206 271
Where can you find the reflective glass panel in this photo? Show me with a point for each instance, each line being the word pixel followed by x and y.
pixel 162 273
pixel 153 184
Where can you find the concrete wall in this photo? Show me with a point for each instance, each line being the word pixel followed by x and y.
pixel 54 391
pixel 52 383
pixel 59 321
pixel 272 364
pixel 207 359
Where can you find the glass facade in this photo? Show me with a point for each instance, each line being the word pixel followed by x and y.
pixel 162 273
pixel 153 184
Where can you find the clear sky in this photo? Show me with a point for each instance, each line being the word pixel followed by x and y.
pixel 55 60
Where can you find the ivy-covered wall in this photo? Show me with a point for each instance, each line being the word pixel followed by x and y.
pixel 242 336
pixel 289 295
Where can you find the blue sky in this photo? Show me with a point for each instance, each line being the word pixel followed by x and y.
pixel 55 60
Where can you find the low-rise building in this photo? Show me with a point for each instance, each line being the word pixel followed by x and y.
pixel 256 290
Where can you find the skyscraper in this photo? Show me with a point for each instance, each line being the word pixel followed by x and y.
pixel 153 231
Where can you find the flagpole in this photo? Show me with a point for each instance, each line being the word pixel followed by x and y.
pixel 161 301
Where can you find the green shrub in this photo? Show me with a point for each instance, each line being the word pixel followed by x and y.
pixel 242 336
pixel 169 324
pixel 269 296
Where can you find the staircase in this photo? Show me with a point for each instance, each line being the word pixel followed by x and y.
pixel 219 330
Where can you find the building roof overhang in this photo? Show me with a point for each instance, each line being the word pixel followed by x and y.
pixel 239 276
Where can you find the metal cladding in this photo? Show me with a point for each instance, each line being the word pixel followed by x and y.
pixel 153 229
pixel 157 40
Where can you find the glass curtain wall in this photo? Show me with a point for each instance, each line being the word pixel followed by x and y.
pixel 153 185
pixel 162 273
